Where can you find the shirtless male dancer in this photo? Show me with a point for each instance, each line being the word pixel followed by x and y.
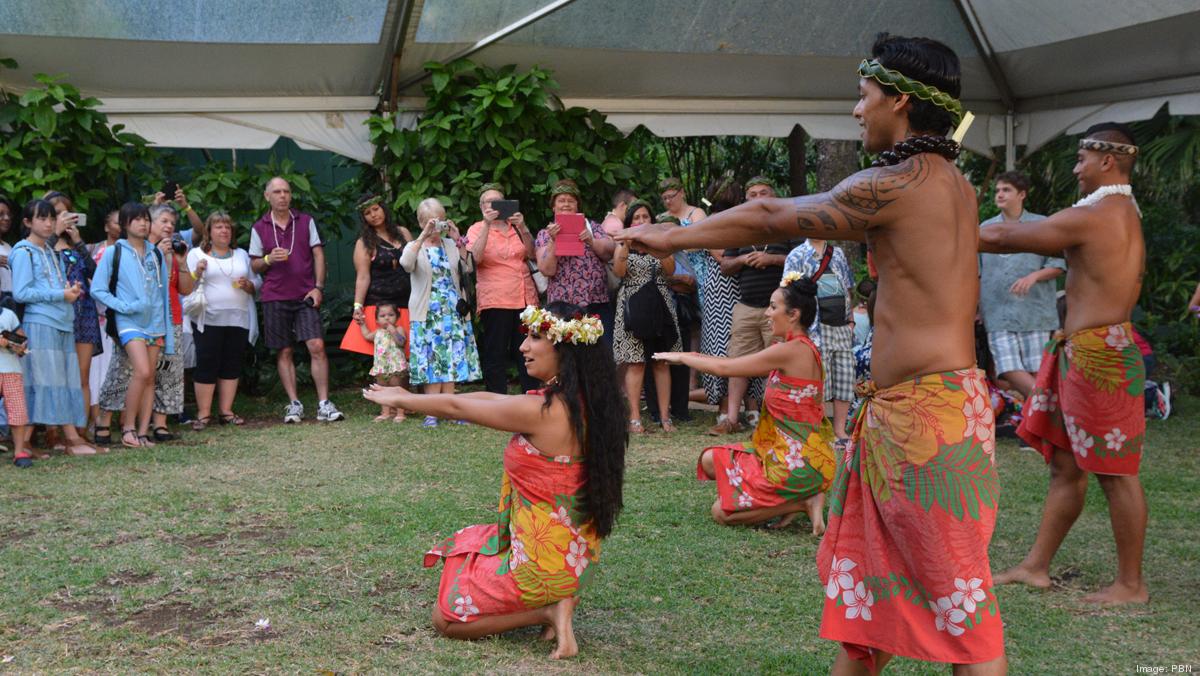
pixel 1085 413
pixel 913 504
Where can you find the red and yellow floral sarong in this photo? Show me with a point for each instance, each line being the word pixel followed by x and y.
pixel 535 555
pixel 789 456
pixel 912 509
pixel 1088 400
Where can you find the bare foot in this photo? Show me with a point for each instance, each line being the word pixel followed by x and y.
pixel 1117 594
pixel 784 521
pixel 1038 578
pixel 561 615
pixel 547 633
pixel 80 448
pixel 815 506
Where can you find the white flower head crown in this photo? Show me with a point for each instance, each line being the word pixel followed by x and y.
pixel 579 330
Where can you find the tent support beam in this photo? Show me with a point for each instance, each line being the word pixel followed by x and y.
pixel 493 38
pixel 393 91
pixel 1010 143
pixel 971 20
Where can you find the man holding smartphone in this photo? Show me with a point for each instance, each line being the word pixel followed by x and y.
pixel 502 248
pixel 286 249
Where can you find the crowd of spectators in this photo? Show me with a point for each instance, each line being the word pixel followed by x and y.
pixel 90 331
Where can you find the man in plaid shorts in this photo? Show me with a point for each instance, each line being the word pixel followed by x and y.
pixel 286 249
pixel 1017 293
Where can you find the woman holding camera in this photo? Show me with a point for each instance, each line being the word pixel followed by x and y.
pixel 501 249
pixel 79 268
pixel 441 342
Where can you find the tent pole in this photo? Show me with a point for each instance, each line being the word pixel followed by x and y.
pixel 490 39
pixel 1010 143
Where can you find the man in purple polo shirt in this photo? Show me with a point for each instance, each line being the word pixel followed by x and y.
pixel 289 254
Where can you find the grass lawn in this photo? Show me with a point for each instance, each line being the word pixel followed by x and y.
pixel 163 560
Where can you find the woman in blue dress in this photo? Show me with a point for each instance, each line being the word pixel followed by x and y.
pixel 442 342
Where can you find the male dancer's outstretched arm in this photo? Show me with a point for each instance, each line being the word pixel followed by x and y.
pixel 856 204
pixel 1049 236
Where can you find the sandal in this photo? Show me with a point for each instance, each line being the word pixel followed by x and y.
pixel 145 441
pixel 430 421
pixel 382 418
pixel 232 419
pixel 130 433
pixel 399 418
pixel 668 426
pixel 199 424
pixel 102 437
pixel 635 427
pixel 74 450
pixel 162 434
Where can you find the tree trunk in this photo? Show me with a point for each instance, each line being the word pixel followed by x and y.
pixel 797 162
pixel 835 161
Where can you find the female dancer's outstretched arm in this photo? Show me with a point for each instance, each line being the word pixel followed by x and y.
pixel 510 413
pixel 783 356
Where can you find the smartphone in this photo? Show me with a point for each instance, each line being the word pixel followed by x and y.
pixel 169 189
pixel 13 337
pixel 80 220
pixel 506 208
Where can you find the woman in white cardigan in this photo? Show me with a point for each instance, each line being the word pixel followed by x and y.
pixel 228 322
pixel 442 348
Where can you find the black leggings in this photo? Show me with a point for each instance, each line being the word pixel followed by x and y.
pixel 219 353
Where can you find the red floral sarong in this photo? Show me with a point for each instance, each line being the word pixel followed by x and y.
pixel 535 555
pixel 789 457
pixel 1088 400
pixel 912 509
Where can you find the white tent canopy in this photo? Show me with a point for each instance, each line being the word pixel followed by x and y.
pixel 222 74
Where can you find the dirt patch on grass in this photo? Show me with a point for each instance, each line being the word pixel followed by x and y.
pixel 176 618
pixel 264 534
pixel 126 578
pixel 13 537
pixel 120 539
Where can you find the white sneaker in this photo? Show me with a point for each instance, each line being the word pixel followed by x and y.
pixel 293 413
pixel 1164 401
pixel 327 412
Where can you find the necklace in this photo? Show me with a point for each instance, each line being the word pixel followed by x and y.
pixel 275 233
pixel 914 145
pixel 1106 190
pixel 150 267
pixel 217 261
pixel 50 261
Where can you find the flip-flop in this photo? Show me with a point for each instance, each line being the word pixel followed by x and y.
pixel 73 450
pixel 137 442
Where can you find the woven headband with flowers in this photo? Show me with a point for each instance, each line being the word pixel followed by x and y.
pixel 370 202
pixel 580 329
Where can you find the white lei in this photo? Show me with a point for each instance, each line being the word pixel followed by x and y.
pixel 1106 190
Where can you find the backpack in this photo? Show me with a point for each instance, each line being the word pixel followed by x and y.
pixel 110 315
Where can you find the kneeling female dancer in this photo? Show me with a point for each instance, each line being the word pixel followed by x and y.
pixel 561 488
pixel 788 463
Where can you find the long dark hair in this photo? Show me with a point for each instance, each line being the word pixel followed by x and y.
pixel 587 385
pixel 929 62
pixel 369 237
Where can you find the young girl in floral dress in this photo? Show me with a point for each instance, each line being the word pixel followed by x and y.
pixel 390 363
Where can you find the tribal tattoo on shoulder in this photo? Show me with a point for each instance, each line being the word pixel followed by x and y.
pixel 854 202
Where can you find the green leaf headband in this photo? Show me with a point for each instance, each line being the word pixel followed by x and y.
pixel 370 202
pixel 760 180
pixel 564 189
pixel 901 82
pixel 486 187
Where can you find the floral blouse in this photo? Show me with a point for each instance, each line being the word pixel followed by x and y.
pixel 581 280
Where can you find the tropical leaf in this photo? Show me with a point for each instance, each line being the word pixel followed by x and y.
pixel 539 588
pixel 959 480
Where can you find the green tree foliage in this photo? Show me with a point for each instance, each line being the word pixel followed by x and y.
pixel 482 125
pixel 54 138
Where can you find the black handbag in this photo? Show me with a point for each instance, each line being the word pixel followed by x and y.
pixel 466 287
pixel 648 319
